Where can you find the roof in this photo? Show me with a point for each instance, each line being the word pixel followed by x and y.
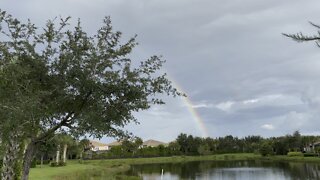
pixel 97 144
pixel 152 142
pixel 115 143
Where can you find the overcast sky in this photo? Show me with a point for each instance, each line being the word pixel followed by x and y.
pixel 242 76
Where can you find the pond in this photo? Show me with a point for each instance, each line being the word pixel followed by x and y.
pixel 228 170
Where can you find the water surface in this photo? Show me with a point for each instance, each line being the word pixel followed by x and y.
pixel 229 170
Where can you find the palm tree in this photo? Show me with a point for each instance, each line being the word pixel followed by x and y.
pixel 63 140
pixel 84 145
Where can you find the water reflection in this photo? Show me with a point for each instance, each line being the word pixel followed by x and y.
pixel 239 170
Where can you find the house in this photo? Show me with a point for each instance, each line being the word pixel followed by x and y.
pixel 101 147
pixel 98 146
pixel 312 147
pixel 115 143
pixel 153 143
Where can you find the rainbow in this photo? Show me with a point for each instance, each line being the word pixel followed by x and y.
pixel 195 115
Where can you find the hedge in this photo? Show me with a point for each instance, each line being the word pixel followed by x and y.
pixel 295 154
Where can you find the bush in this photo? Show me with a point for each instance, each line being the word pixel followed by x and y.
pixel 62 163
pixel 33 163
pixel 55 164
pixel 295 154
pixel 44 162
pixel 310 154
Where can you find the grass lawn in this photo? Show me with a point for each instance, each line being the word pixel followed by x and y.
pixel 47 172
pixel 113 169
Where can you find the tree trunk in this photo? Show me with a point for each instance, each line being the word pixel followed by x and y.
pixel 65 147
pixel 81 155
pixel 10 159
pixel 41 163
pixel 58 155
pixel 27 160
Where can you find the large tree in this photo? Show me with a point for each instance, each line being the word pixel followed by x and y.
pixel 61 79
pixel 23 77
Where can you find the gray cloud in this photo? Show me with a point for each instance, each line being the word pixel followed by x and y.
pixel 219 52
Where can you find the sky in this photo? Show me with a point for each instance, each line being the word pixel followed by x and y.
pixel 241 75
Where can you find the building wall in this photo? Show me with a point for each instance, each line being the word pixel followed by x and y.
pixel 100 148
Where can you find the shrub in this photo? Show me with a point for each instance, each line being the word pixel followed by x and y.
pixel 44 162
pixel 62 163
pixel 310 154
pixel 55 164
pixel 295 154
pixel 33 163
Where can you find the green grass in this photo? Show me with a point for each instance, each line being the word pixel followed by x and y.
pixel 112 169
pixel 47 172
pixel 292 159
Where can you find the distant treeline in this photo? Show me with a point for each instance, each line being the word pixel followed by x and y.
pixel 191 145
pixel 183 145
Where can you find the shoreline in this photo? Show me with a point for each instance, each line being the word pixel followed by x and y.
pixel 116 168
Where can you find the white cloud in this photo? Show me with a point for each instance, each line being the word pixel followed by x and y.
pixel 268 127
pixel 264 100
pixel 225 106
pixel 274 99
pixel 250 101
pixel 202 104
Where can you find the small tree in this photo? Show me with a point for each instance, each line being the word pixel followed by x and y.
pixel 174 148
pixel 127 146
pixel 138 142
pixel 204 149
pixel 47 148
pixel 83 146
pixel 265 149
pixel 182 141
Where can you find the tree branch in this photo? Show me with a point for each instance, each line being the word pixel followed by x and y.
pixel 65 121
pixel 300 37
pixel 52 130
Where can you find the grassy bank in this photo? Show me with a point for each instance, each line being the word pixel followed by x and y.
pixel 112 169
pixel 292 159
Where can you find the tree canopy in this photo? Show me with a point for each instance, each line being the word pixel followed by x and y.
pixel 85 83
pixel 59 78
